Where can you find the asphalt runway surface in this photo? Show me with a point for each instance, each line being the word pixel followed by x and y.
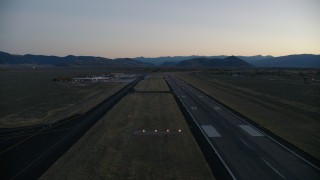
pixel 27 152
pixel 245 151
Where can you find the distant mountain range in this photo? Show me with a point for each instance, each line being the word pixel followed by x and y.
pixel 228 62
pixel 290 61
pixel 168 59
pixel 173 60
pixel 68 61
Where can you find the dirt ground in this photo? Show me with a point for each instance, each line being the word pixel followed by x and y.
pixel 153 82
pixel 31 97
pixel 131 142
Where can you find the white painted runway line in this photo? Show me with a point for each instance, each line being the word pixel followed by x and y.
pixel 193 108
pixel 273 168
pixel 250 130
pixel 217 108
pixel 244 142
pixel 210 131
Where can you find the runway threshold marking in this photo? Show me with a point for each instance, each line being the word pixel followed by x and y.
pixel 210 131
pixel 250 130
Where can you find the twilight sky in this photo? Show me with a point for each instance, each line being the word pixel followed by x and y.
pixel 151 28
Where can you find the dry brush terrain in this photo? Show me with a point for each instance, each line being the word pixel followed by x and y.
pixel 117 148
pixel 31 97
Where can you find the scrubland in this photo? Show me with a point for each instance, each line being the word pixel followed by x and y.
pixel 29 97
pixel 117 148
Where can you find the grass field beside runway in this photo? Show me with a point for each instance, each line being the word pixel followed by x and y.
pixel 279 105
pixel 30 97
pixel 117 148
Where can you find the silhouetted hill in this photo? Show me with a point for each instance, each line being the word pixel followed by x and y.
pixel 229 62
pixel 160 60
pixel 6 58
pixel 169 63
pixel 291 61
pixel 68 61
pixel 295 61
pixel 128 62
pixel 250 59
pixel 170 60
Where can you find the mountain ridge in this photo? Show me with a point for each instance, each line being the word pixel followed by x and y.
pixel 67 61
pixel 159 61
pixel 228 62
pixel 291 61
pixel 288 61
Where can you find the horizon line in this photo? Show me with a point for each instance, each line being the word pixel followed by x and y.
pixel 157 56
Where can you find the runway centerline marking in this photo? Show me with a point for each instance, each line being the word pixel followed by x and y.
pixel 217 108
pixel 210 131
pixel 244 142
pixel 250 130
pixel 274 169
pixel 193 108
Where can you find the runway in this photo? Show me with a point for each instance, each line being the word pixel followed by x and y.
pixel 25 153
pixel 243 150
